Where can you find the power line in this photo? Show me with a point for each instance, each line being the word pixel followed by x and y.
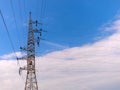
pixel 30 5
pixel 8 34
pixel 42 2
pixel 21 16
pixel 25 8
pixel 37 8
pixel 44 9
pixel 15 19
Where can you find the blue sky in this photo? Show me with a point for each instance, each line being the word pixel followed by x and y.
pixel 69 23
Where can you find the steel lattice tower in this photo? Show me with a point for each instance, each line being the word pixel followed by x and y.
pixel 31 80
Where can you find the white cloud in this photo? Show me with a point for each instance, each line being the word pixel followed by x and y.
pixel 91 67
pixel 12 55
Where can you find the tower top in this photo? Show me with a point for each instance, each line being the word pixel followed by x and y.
pixel 30 16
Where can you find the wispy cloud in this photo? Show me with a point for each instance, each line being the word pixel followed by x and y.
pixel 56 45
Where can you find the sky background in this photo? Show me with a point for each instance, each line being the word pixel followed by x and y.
pixel 81 50
pixel 69 23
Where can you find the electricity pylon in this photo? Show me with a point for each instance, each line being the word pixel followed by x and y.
pixel 31 80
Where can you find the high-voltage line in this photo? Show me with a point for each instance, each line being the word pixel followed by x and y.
pixel 6 28
pixel 11 2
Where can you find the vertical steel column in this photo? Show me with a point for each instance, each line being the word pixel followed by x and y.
pixel 31 81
